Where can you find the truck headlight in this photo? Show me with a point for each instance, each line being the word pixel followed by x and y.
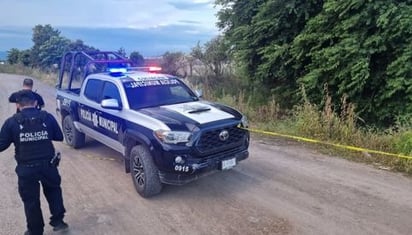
pixel 173 137
pixel 244 121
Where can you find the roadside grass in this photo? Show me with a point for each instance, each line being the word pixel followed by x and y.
pixel 47 77
pixel 325 125
pixel 305 120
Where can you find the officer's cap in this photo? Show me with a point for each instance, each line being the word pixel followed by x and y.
pixel 25 96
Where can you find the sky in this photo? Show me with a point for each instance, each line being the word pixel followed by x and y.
pixel 151 27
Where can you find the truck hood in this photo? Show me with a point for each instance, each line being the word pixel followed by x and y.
pixel 193 113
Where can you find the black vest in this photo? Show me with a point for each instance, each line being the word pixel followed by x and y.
pixel 34 140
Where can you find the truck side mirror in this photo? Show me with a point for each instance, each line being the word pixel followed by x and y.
pixel 111 104
pixel 199 93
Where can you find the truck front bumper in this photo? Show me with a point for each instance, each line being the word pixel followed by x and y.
pixel 201 167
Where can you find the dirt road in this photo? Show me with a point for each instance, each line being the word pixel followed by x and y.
pixel 283 188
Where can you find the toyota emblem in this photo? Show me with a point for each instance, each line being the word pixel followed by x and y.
pixel 224 135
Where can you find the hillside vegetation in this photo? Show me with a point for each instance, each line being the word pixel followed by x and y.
pixel 360 49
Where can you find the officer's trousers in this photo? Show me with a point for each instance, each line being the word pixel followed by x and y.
pixel 29 189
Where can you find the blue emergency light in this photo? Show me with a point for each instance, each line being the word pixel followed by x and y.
pixel 117 70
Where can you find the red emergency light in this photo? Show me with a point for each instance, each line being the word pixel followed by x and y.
pixel 154 69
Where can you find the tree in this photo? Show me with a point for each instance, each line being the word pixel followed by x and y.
pixel 122 51
pixel 49 46
pixel 78 45
pixel 173 63
pixel 13 56
pixel 24 57
pixel 259 34
pixel 41 34
pixel 362 50
pixel 137 59
pixel 52 51
pixel 214 56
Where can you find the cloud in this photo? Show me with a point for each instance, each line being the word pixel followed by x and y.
pixel 193 22
pixel 106 13
pixel 189 5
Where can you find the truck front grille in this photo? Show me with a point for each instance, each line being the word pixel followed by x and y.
pixel 216 140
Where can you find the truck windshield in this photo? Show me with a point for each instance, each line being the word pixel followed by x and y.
pixel 152 93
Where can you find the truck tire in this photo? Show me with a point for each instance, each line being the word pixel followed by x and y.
pixel 73 137
pixel 144 173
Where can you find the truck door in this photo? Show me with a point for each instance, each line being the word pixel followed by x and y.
pixel 87 110
pixel 110 122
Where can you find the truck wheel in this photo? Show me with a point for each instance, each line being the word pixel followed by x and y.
pixel 72 136
pixel 144 173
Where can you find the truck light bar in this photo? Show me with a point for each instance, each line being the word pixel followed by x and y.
pixel 154 69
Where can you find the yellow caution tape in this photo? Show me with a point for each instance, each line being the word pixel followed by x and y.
pixel 353 148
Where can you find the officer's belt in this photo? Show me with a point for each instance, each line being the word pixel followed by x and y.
pixel 37 163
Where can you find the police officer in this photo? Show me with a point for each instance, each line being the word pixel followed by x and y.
pixel 32 131
pixel 28 85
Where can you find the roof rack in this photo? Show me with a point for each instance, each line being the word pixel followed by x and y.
pixel 146 68
pixel 89 62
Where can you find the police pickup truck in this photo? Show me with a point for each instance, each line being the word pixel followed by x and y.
pixel 165 132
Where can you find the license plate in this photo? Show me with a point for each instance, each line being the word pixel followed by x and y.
pixel 227 164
